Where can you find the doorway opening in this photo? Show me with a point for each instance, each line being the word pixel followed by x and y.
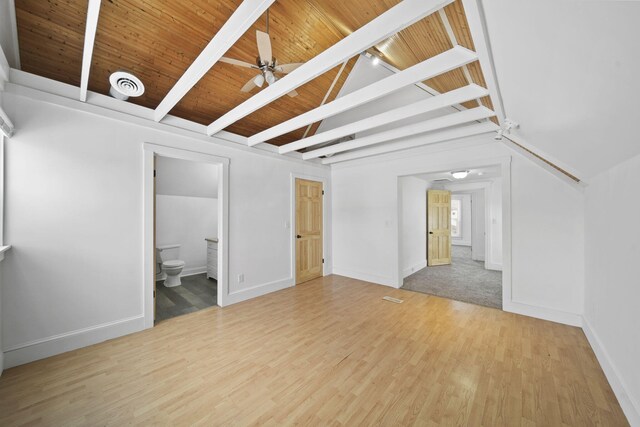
pixel 186 236
pixel 185 232
pixel 452 235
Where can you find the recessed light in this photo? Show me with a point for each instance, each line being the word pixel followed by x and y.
pixel 375 60
pixel 459 174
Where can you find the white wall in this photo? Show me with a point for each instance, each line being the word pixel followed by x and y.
pixel 74 197
pixel 187 221
pixel 547 220
pixel 414 224
pixel 465 215
pixel 178 177
pixel 612 291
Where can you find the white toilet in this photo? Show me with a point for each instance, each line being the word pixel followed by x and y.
pixel 168 263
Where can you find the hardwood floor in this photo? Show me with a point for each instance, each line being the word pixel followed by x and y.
pixel 327 352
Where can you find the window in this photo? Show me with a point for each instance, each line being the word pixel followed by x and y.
pixel 456 217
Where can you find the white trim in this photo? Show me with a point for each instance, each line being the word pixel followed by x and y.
pixel 382 27
pixel 93 12
pixel 505 174
pixel 258 290
pixel 326 215
pixel 430 104
pixel 5 70
pixel 14 33
pixel 61 343
pixel 150 150
pixel 432 125
pixel 477 27
pixel 3 249
pixel 544 313
pixel 366 277
pixel 521 141
pixel 414 268
pixel 63 95
pixel 416 141
pixel 630 406
pixel 242 19
pixel 426 69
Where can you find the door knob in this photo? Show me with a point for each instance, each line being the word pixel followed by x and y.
pixel 298 236
pixel 431 232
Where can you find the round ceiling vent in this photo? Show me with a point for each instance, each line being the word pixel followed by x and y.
pixel 124 85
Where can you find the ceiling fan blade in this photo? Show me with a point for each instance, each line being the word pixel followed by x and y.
pixel 249 86
pixel 237 62
pixel 292 93
pixel 287 68
pixel 264 46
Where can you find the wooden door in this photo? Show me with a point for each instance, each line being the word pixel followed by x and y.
pixel 438 227
pixel 308 230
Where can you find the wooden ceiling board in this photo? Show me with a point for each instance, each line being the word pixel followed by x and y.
pixel 157 40
pixel 298 33
pixel 51 38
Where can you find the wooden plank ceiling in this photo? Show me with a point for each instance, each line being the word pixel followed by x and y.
pixel 157 40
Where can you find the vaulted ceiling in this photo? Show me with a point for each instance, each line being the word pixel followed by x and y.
pixel 157 40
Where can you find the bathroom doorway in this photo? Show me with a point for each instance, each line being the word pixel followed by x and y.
pixel 186 236
pixel 185 232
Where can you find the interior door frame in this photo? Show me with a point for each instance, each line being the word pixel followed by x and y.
pixel 326 232
pixel 148 271
pixel 505 172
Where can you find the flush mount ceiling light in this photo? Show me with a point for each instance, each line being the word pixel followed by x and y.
pixel 459 174
pixel 125 85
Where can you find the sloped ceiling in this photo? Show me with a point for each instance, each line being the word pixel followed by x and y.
pixel 158 39
pixel 568 73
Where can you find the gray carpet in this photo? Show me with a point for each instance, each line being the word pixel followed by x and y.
pixel 195 293
pixel 464 280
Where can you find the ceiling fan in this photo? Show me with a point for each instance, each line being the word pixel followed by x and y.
pixel 265 62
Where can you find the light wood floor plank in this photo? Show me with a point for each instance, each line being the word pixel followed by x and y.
pixel 327 352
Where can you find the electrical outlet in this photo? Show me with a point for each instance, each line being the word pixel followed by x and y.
pixel 240 278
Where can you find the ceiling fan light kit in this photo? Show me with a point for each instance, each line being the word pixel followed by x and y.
pixel 266 64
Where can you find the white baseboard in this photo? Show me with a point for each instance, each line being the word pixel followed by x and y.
pixel 258 290
pixel 630 407
pixel 61 343
pixel 415 267
pixel 193 270
pixel 380 280
pixel 552 315
pixel 492 266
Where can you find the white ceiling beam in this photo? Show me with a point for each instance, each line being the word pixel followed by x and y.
pixel 434 103
pixel 433 138
pixel 477 27
pixel 424 70
pixel 241 20
pixel 93 11
pixel 389 23
pixel 438 123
